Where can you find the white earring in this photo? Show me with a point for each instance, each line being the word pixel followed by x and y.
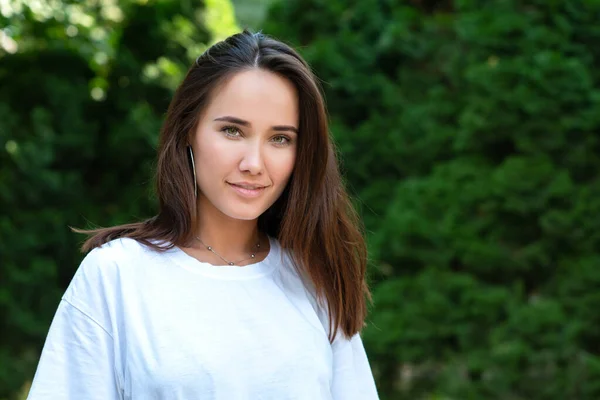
pixel 191 153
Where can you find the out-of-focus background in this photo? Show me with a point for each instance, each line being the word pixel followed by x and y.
pixel 469 136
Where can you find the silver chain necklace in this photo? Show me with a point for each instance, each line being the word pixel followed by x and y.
pixel 209 248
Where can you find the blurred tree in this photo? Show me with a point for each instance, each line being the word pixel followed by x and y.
pixel 83 88
pixel 469 132
pixel 251 13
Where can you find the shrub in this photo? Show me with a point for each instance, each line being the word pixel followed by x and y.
pixel 469 135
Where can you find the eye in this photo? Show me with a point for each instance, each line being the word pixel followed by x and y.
pixel 231 131
pixel 282 140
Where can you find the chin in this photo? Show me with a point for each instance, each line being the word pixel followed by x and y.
pixel 245 215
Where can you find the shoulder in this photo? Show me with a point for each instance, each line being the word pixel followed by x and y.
pixel 118 249
pixel 298 273
pixel 302 279
pixel 100 270
pixel 96 287
pixel 113 254
pixel 318 302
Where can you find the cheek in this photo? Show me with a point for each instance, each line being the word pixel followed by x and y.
pixel 213 155
pixel 283 165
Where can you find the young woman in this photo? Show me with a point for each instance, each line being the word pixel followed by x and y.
pixel 249 283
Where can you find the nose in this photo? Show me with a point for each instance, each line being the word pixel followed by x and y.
pixel 252 158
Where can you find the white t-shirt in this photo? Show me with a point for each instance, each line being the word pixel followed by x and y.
pixel 135 323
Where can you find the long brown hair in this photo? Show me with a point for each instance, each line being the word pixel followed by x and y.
pixel 313 219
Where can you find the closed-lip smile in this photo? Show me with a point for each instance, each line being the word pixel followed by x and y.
pixel 248 185
pixel 247 189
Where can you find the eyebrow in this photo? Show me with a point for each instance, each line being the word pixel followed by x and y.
pixel 234 120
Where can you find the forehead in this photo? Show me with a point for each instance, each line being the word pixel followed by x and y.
pixel 258 96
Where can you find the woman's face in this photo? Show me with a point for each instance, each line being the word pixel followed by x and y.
pixel 245 144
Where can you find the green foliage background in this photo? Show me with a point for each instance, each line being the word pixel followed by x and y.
pixel 469 131
pixel 468 135
pixel 83 89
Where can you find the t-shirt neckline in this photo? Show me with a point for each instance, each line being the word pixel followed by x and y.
pixel 229 272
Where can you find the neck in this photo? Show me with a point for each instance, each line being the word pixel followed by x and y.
pixel 232 238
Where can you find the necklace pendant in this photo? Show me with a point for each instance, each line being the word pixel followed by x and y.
pixel 209 248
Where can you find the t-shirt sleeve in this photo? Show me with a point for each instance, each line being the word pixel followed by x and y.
pixel 78 358
pixel 77 361
pixel 352 376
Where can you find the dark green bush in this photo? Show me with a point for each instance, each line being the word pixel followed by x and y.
pixel 469 135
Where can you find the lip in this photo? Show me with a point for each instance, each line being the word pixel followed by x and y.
pixel 258 185
pixel 250 193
